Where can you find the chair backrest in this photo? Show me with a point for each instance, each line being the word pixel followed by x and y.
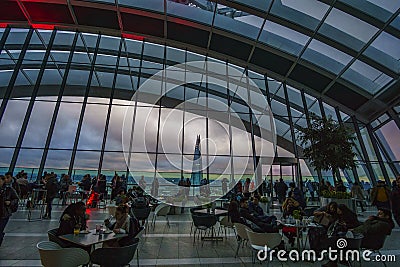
pixel 271 240
pixel 51 254
pixel 52 235
pixel 141 213
pixel 207 220
pixel 373 242
pixel 225 221
pixel 115 256
pixel 162 210
pixel 355 242
pixel 241 230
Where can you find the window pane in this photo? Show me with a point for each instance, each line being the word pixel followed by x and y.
pixel 66 125
pixel 11 123
pixel 38 126
pixel 92 131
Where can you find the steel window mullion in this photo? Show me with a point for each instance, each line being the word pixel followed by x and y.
pixel 57 107
pixel 163 80
pixel 135 109
pixel 364 151
pixel 103 145
pixel 296 152
pixel 308 120
pixel 15 74
pixel 4 38
pixel 78 131
pixel 388 158
pixel 353 169
pixel 32 102
pixel 378 155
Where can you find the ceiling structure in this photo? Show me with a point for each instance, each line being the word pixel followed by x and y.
pixel 344 52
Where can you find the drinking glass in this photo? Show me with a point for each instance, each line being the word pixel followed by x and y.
pixel 77 229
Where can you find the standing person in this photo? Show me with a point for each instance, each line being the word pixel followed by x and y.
pixel 224 185
pixel 281 189
pixel 187 189
pixel 154 187
pixel 357 193
pixel 8 204
pixel 395 199
pixel 51 185
pixel 10 180
pixel 309 186
pixel 246 189
pixel 65 182
pixel 142 183
pixel 380 195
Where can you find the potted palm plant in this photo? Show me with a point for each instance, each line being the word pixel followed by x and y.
pixel 328 145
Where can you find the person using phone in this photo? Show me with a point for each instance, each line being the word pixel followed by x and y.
pixel 124 224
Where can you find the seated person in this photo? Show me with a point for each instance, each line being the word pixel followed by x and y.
pixel 296 194
pixel 255 209
pixel 329 210
pixel 318 235
pixel 288 207
pixel 268 224
pixel 347 218
pixel 382 223
pixel 73 215
pixel 125 224
pixel 121 198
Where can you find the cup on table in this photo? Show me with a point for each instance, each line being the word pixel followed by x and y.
pixel 77 229
pixel 98 226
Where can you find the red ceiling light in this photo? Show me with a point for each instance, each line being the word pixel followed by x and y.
pixel 132 36
pixel 43 26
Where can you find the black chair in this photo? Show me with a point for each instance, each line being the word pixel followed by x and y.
pixel 309 211
pixel 374 243
pixel 116 256
pixel 193 210
pixel 52 235
pixel 203 223
pixel 142 214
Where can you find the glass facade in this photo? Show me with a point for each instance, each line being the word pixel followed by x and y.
pixel 80 87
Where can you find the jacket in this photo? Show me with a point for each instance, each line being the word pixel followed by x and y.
pixel 7 193
pixel 375 225
pixel 374 193
pixel 68 222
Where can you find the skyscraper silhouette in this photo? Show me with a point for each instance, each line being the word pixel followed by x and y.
pixel 197 167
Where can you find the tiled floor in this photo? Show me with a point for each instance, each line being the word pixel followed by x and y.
pixel 163 246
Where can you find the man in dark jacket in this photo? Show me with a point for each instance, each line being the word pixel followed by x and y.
pixel 8 203
pixel 281 189
pixel 51 185
pixel 395 199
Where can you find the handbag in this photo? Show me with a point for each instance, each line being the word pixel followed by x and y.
pixel 324 220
